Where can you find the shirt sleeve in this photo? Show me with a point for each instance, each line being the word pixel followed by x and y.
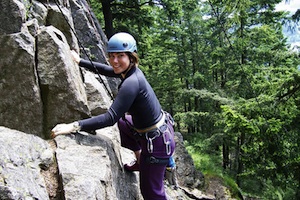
pixel 122 103
pixel 97 67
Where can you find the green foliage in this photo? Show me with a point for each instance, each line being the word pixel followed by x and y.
pixel 207 163
pixel 224 71
pixel 210 166
pixel 97 8
pixel 279 193
pixel 233 187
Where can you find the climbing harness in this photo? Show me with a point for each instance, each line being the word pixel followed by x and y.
pixel 159 129
pixel 84 51
pixel 155 126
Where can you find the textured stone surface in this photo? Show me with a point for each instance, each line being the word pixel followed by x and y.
pixel 22 159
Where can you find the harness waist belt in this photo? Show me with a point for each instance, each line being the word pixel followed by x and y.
pixel 155 126
pixel 154 160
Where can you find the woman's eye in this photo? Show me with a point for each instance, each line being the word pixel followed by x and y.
pixel 118 56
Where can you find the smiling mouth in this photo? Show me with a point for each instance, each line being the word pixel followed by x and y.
pixel 116 66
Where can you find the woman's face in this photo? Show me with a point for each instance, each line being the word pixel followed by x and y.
pixel 119 61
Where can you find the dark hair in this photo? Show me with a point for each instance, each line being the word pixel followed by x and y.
pixel 134 58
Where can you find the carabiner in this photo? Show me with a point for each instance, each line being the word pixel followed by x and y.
pixel 149 142
pixel 167 143
pixel 150 145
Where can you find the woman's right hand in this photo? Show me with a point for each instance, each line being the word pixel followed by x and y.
pixel 62 129
pixel 75 56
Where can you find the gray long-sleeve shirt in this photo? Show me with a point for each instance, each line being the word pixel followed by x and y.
pixel 135 96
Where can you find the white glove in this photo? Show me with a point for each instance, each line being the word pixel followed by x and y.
pixel 61 129
pixel 75 56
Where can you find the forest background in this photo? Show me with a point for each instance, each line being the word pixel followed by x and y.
pixel 225 71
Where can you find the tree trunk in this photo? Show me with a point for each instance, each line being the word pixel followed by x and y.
pixel 109 30
pixel 240 166
pixel 225 155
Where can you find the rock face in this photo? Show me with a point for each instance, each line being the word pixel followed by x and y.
pixel 91 167
pixel 36 65
pixel 79 166
pixel 21 159
pixel 41 86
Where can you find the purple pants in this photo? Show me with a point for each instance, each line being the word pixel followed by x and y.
pixel 151 175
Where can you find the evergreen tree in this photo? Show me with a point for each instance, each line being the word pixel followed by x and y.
pixel 223 69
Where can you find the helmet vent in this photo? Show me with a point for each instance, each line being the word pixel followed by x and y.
pixel 125 44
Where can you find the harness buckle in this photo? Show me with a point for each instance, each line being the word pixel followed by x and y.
pixel 153 160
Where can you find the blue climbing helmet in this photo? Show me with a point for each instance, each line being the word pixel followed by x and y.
pixel 121 42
